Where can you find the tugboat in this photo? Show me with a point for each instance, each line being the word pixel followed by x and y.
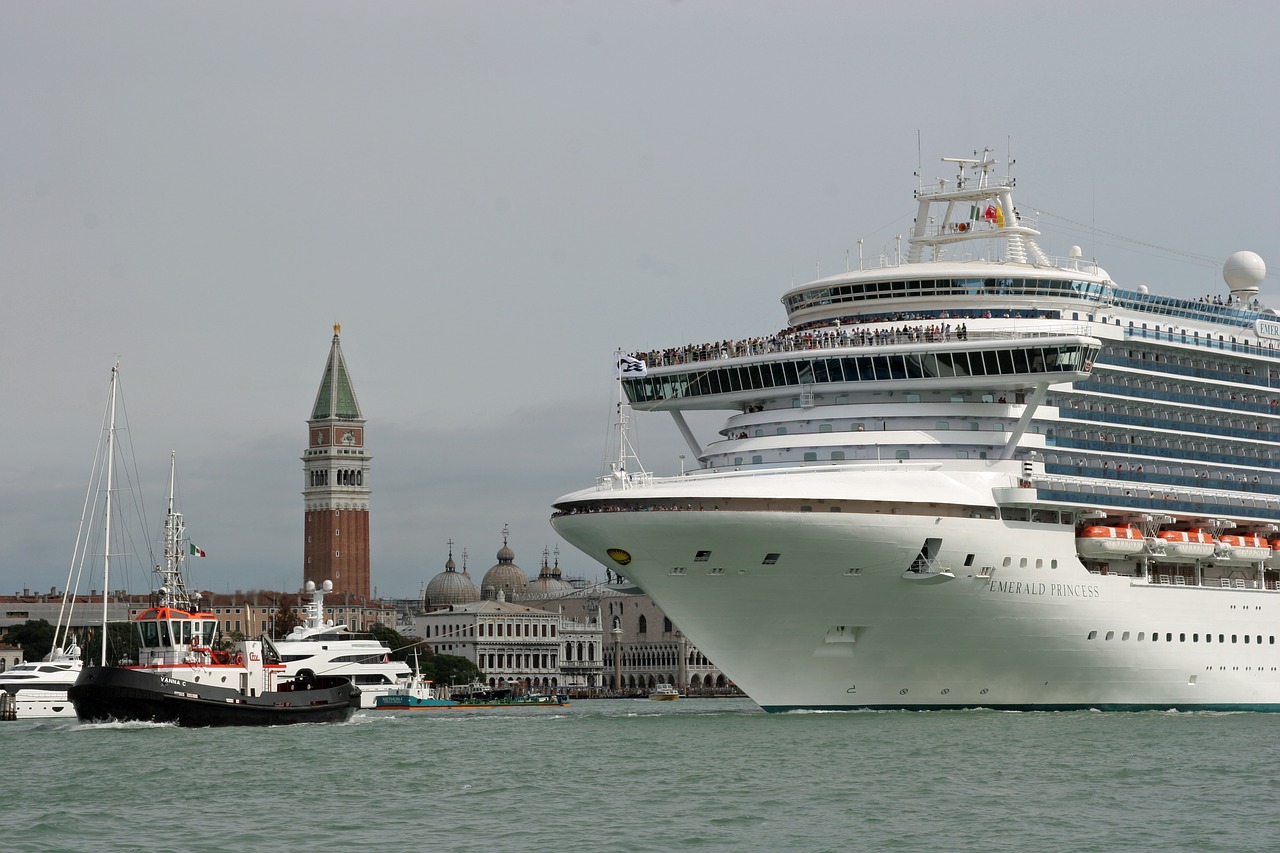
pixel 183 677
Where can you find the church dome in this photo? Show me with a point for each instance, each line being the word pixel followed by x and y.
pixel 450 587
pixel 505 576
pixel 549 584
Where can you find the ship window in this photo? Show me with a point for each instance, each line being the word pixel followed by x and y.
pixel 973 425
pixel 810 457
pixel 757 460
pixel 759 433
pixel 1233 638
pixel 1022 564
pixel 806 509
pixel 770 559
pixel 942 425
pixel 1093 635
pixel 835 509
pixel 782 430
pixel 1208 638
pixel 956 398
pixel 968 560
pixel 1155 636
pixel 1039 563
pixel 1142 635
pixel 1168 637
pixel 837 455
pixel 856 427
pixel 737 460
pixel 1222 638
pixel 962 454
pixel 988 398
pixel 1195 638
pixel 1246 638
pixel 1110 635
pixel 1007 561
pixel 702 556
pixel 824 427
pixel 913 398
pixel 902 454
pixel 1182 638
pixel 1124 636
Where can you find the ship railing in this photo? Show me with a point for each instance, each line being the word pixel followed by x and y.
pixel 850 337
pixel 623 481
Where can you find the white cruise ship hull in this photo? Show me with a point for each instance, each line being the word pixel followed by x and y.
pixel 834 624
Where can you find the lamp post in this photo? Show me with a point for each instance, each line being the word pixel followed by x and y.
pixel 681 464
pixel 617 658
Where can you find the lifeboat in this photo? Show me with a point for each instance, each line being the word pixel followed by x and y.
pixel 1243 549
pixel 1189 544
pixel 1109 541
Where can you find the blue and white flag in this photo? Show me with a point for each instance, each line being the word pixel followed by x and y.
pixel 631 367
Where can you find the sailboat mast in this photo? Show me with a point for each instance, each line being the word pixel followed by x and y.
pixel 106 558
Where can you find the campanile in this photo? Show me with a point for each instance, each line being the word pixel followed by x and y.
pixel 336 477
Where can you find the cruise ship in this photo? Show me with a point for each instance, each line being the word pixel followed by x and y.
pixel 973 476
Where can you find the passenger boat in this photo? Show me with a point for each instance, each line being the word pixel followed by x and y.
pixel 664 693
pixel 39 688
pixel 183 676
pixel 420 694
pixel 319 647
pixel 409 702
pixel 894 512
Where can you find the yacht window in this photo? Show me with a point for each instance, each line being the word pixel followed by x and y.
pixel 770 559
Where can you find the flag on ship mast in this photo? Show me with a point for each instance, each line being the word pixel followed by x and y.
pixel 628 366
pixel 196 552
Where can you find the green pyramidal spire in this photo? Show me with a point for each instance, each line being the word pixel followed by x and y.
pixel 336 398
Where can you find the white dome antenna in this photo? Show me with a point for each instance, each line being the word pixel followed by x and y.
pixel 1243 272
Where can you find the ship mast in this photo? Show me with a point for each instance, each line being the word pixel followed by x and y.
pixel 627 366
pixel 173 585
pixel 106 556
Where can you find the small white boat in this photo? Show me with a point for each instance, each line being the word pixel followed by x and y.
pixel 664 692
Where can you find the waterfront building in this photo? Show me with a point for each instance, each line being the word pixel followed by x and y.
pixel 336 484
pixel 514 643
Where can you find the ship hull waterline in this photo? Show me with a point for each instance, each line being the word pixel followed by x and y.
pixel 121 694
pixel 838 622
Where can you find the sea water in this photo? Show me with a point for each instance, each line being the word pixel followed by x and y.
pixel 636 775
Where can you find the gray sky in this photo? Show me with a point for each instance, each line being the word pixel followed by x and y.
pixel 492 197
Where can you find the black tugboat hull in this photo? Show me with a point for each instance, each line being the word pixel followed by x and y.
pixel 121 694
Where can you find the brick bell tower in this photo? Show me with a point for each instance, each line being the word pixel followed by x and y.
pixel 336 474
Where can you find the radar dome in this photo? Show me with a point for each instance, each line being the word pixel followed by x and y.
pixel 1243 272
pixel 1142 288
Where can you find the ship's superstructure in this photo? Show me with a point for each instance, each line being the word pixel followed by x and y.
pixel 976 475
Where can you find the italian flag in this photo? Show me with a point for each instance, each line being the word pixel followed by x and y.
pixel 196 552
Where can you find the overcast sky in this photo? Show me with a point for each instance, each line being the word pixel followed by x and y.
pixel 492 197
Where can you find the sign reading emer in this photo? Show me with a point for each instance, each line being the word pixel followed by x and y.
pixel 1267 328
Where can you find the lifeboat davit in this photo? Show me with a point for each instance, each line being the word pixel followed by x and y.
pixel 1109 541
pixel 1243 549
pixel 1189 544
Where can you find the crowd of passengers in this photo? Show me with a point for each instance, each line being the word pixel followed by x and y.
pixel 844 332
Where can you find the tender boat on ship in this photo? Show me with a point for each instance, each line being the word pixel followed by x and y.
pixel 973 475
